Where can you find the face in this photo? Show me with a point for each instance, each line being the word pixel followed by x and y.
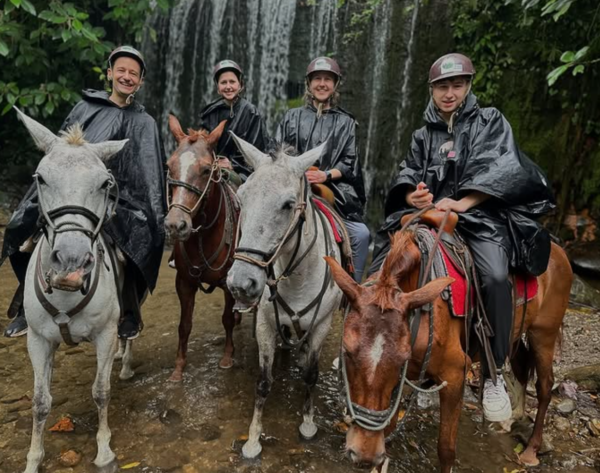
pixel 125 76
pixel 449 94
pixel 322 85
pixel 228 85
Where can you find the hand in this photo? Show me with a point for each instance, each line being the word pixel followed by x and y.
pixel 421 197
pixel 316 177
pixel 451 204
pixel 224 163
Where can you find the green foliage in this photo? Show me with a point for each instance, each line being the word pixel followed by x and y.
pixel 362 15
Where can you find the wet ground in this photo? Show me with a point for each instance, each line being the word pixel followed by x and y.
pixel 200 424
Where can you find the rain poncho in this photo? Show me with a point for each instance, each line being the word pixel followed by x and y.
pixel 303 130
pixel 478 153
pixel 246 123
pixel 137 227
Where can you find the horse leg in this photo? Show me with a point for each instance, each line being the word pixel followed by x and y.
pixel 308 428
pixel 106 346
pixel 450 408
pixel 520 368
pixel 41 353
pixel 228 320
pixel 187 299
pixel 126 346
pixel 265 337
pixel 542 348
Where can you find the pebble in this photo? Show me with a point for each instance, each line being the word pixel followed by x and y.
pixel 562 424
pixel 70 458
pixel 594 426
pixel 566 406
pixel 189 469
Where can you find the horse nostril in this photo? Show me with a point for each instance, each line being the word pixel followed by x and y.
pixel 88 261
pixel 181 226
pixel 56 258
pixel 250 286
pixel 353 456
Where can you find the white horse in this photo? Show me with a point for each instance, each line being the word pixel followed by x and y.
pixel 284 240
pixel 73 278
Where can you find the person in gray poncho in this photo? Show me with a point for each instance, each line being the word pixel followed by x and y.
pixel 466 159
pixel 137 228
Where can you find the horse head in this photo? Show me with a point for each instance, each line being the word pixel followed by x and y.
pixel 376 344
pixel 73 187
pixel 192 168
pixel 272 200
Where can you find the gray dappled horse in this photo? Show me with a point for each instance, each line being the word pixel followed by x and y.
pixel 71 291
pixel 284 240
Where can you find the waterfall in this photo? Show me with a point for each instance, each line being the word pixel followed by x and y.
pixel 405 98
pixel 213 45
pixel 323 33
pixel 381 37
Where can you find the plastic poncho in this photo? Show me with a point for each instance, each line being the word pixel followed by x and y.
pixel 137 227
pixel 245 123
pixel 303 130
pixel 478 153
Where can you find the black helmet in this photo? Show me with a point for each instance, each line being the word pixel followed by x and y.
pixel 127 51
pixel 227 65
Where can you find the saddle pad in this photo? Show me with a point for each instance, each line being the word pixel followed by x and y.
pixel 325 211
pixel 458 289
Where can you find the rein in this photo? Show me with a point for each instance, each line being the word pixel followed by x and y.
pixel 267 264
pixel 377 420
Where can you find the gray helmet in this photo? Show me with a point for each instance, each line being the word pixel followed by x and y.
pixel 127 51
pixel 451 65
pixel 324 64
pixel 228 65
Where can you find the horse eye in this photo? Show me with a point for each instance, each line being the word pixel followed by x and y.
pixel 105 184
pixel 288 205
pixel 205 171
pixel 41 180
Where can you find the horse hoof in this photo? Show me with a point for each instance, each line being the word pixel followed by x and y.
pixel 110 465
pixel 308 431
pixel 251 451
pixel 176 377
pixel 226 363
pixel 529 458
pixel 125 375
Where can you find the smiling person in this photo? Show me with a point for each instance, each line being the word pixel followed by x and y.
pixel 466 159
pixel 321 120
pixel 242 117
pixel 137 227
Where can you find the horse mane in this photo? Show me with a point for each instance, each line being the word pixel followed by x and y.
pixel 195 135
pixel 74 135
pixel 404 255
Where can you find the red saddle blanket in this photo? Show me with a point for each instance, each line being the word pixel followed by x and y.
pixel 458 289
pixel 325 211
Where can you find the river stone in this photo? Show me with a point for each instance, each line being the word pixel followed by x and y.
pixel 562 424
pixel 583 293
pixel 585 258
pixel 566 406
pixel 586 377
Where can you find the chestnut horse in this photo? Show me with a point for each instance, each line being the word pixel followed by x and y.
pixel 377 344
pixel 202 220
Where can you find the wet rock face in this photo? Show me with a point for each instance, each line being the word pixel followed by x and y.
pixel 583 293
pixel 587 377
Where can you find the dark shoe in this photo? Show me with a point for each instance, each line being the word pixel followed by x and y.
pixel 17 326
pixel 129 328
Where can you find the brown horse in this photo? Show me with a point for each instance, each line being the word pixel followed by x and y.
pixel 202 220
pixel 376 345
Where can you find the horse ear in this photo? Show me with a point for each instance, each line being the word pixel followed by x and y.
pixel 349 286
pixel 300 164
pixel 44 138
pixel 215 135
pixel 427 293
pixel 175 128
pixel 107 149
pixel 252 155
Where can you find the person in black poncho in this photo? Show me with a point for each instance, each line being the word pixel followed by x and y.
pixel 137 228
pixel 322 120
pixel 466 159
pixel 242 117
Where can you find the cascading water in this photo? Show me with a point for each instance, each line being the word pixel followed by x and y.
pixel 323 33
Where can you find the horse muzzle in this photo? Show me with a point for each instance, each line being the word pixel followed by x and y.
pixel 178 226
pixel 68 281
pixel 69 270
pixel 365 448
pixel 246 283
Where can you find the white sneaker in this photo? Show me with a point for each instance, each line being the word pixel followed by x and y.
pixel 496 403
pixel 172 264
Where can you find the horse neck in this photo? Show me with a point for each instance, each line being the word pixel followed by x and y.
pixel 211 212
pixel 311 269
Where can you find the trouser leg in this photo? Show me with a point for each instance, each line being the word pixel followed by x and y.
pixel 492 265
pixel 19 262
pixel 380 251
pixel 359 241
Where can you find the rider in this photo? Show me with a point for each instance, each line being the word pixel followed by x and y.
pixel 242 117
pixel 466 159
pixel 137 227
pixel 321 120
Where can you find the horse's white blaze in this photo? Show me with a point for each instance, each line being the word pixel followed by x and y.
pixel 376 354
pixel 187 160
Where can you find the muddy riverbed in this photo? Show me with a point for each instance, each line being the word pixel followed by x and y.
pixel 199 425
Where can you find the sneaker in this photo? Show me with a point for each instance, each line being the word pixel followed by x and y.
pixel 172 264
pixel 17 326
pixel 496 403
pixel 129 328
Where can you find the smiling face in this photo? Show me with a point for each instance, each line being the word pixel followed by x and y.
pixel 322 85
pixel 449 94
pixel 228 86
pixel 126 78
